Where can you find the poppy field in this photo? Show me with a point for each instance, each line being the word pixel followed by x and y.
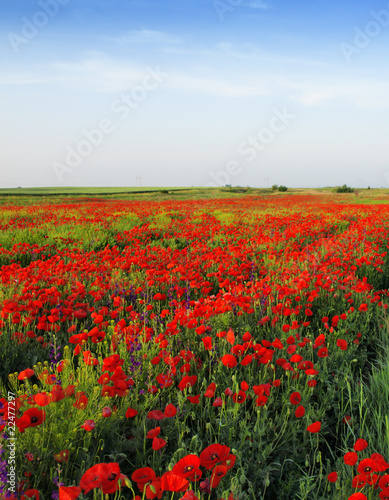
pixel 198 349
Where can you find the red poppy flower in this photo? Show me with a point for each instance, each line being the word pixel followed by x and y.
pixel 258 389
pixel 57 394
pixel 321 338
pixel 229 361
pixel 230 336
pixel 322 352
pixel 156 415
pixel 104 476
pixel 189 495
pixel 350 458
pixel 172 482
pixel 246 360
pixel 91 479
pixel 31 494
pixel 239 397
pixel 359 481
pixel 130 413
pixel 192 324
pixel 381 465
pixel 295 398
pixel 300 412
pixel 229 462
pixel 367 466
pixel 205 487
pixel 69 492
pixel 384 495
pixel 360 445
pixel 315 427
pixel 187 381
pixel 170 411
pixel 62 456
pixel 158 443
pixel 106 412
pixel 188 467
pixel 244 385
pixel 207 341
pixel 383 483
pixel 217 475
pixel 332 477
pixel 110 478
pixel 342 344
pixel 194 399
pixel 42 399
pixel 357 496
pixel 154 490
pixel 107 391
pixel 31 418
pixel 88 425
pixel 213 454
pixel 143 476
pixel 261 400
pixel 210 392
pixel 25 374
pixel 153 433
pixel 81 402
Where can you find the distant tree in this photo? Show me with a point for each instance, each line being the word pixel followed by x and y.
pixel 344 189
pixel 274 187
pixel 282 189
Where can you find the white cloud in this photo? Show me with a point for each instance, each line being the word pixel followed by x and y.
pixel 217 87
pixel 20 80
pixel 361 93
pixel 98 75
pixel 101 74
pixel 257 4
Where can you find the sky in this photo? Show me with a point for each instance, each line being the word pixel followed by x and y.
pixel 194 93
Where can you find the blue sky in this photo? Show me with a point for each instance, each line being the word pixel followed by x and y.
pixel 194 92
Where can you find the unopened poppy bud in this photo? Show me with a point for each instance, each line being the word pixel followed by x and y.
pixel 128 483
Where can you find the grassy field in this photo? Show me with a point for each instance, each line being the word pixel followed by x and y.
pixel 60 191
pixel 238 333
pixel 369 196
